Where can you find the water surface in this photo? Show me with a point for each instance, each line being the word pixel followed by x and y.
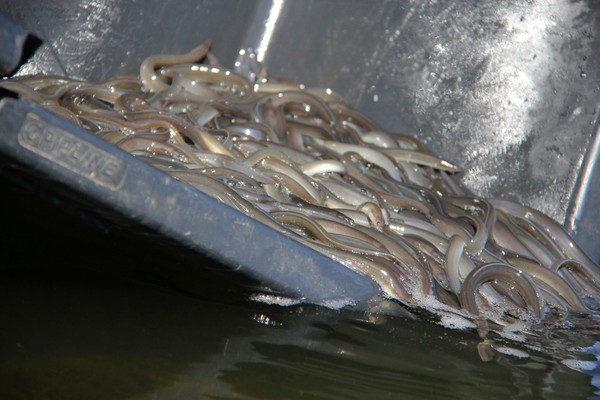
pixel 101 313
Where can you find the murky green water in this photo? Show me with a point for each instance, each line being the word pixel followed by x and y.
pixel 91 315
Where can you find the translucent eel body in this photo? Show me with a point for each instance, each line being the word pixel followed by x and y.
pixel 305 163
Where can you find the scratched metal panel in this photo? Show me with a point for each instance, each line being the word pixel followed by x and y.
pixel 95 39
pixel 508 89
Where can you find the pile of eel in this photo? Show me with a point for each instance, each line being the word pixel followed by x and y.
pixel 305 163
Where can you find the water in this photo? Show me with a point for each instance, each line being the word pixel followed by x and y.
pixel 94 314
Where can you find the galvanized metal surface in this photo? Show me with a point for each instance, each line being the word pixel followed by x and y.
pixel 508 89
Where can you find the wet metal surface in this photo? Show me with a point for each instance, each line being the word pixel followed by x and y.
pixel 507 89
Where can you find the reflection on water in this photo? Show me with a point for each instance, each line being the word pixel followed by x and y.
pixel 91 315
